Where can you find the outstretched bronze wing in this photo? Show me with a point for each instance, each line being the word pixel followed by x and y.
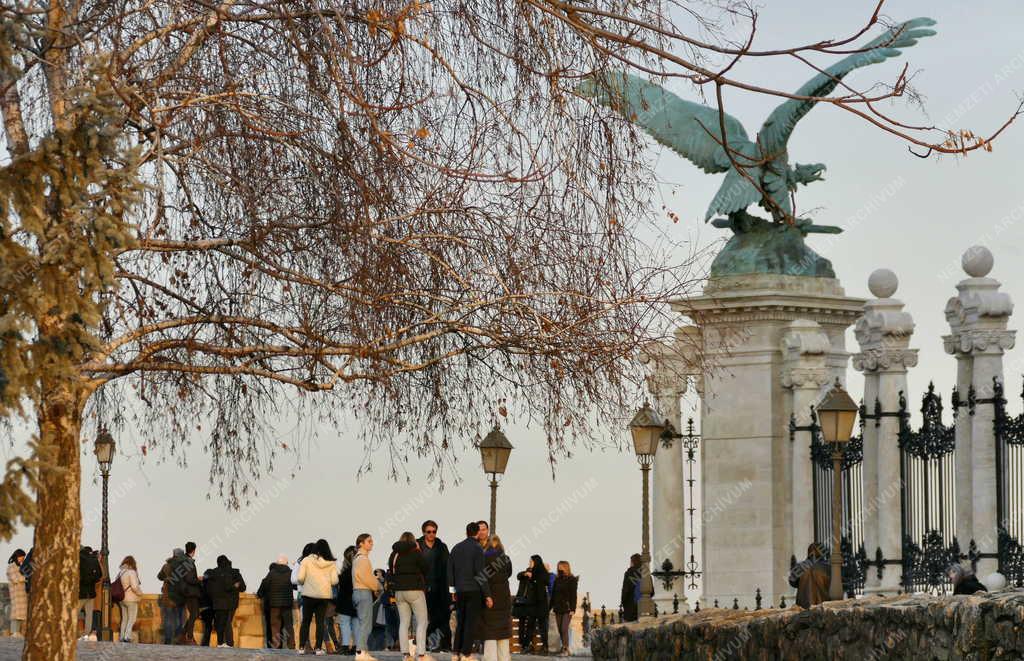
pixel 691 130
pixel 775 132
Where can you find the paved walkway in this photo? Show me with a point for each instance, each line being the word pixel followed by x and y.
pixel 10 650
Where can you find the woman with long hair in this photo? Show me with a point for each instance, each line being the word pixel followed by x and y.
pixel 563 601
pixel 19 595
pixel 364 591
pixel 129 606
pixel 496 620
pixel 535 614
pixel 409 581
pixel 318 573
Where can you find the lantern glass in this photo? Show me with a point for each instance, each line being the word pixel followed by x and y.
pixel 837 415
pixel 104 448
pixel 646 428
pixel 495 451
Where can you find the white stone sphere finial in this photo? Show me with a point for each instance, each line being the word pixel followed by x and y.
pixel 883 283
pixel 977 261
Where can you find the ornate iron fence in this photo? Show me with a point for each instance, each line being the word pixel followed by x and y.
pixel 1009 433
pixel 851 543
pixel 927 497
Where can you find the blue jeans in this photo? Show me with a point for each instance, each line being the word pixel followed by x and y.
pixel 172 619
pixel 363 601
pixel 348 625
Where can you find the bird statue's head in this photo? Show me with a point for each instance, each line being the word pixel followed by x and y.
pixel 805 173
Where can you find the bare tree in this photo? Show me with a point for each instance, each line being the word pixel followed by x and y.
pixel 398 205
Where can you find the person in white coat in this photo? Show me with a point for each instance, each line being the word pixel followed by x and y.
pixel 129 606
pixel 318 574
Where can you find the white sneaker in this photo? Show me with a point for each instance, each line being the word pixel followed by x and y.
pixel 222 645
pixel 302 650
pixel 365 656
pixel 319 653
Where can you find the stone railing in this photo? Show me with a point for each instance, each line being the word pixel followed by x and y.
pixel 977 628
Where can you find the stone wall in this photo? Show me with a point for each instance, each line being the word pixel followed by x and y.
pixel 918 627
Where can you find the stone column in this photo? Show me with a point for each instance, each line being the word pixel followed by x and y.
pixel 745 484
pixel 804 373
pixel 671 368
pixel 978 317
pixel 883 333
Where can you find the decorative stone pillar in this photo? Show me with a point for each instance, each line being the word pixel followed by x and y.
pixel 978 316
pixel 746 497
pixel 805 374
pixel 883 333
pixel 671 368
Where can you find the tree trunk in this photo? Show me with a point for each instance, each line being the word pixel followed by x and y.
pixel 52 626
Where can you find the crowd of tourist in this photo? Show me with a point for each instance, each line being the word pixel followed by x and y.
pixel 345 604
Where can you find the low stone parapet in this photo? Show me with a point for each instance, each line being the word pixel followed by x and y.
pixel 975 628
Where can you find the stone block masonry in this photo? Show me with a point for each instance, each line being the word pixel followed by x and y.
pixel 984 627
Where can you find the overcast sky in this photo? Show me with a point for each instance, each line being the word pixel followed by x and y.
pixel 915 216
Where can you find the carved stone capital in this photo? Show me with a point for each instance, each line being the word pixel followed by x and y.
pixel 875 360
pixel 979 340
pixel 805 350
pixel 805 377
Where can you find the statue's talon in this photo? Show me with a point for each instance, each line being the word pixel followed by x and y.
pixel 725 223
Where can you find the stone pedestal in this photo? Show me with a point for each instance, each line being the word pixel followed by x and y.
pixel 978 317
pixel 746 486
pixel 883 333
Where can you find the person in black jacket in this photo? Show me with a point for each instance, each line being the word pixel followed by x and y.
pixel 563 601
pixel 223 584
pixel 472 591
pixel 183 585
pixel 535 614
pixel 408 570
pixel 276 593
pixel 347 616
pixel 89 574
pixel 439 599
pixel 963 579
pixel 206 615
pixel 630 588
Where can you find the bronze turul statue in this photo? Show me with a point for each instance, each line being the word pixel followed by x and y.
pixel 764 175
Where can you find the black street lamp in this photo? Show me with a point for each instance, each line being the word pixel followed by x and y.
pixel 495 450
pixel 104 448
pixel 646 428
pixel 836 415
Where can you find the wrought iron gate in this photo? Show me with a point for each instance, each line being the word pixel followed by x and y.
pixel 851 541
pixel 927 497
pixel 1009 433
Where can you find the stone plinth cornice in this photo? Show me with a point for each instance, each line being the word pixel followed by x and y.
pixel 875 360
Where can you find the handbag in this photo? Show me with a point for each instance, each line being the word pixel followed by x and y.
pixel 117 590
pixel 523 600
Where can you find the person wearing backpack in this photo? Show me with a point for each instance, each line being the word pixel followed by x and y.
pixel 408 569
pixel 89 574
pixel 125 591
pixel 172 613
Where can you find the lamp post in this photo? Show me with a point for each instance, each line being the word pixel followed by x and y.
pixel 836 415
pixel 495 450
pixel 103 448
pixel 646 428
